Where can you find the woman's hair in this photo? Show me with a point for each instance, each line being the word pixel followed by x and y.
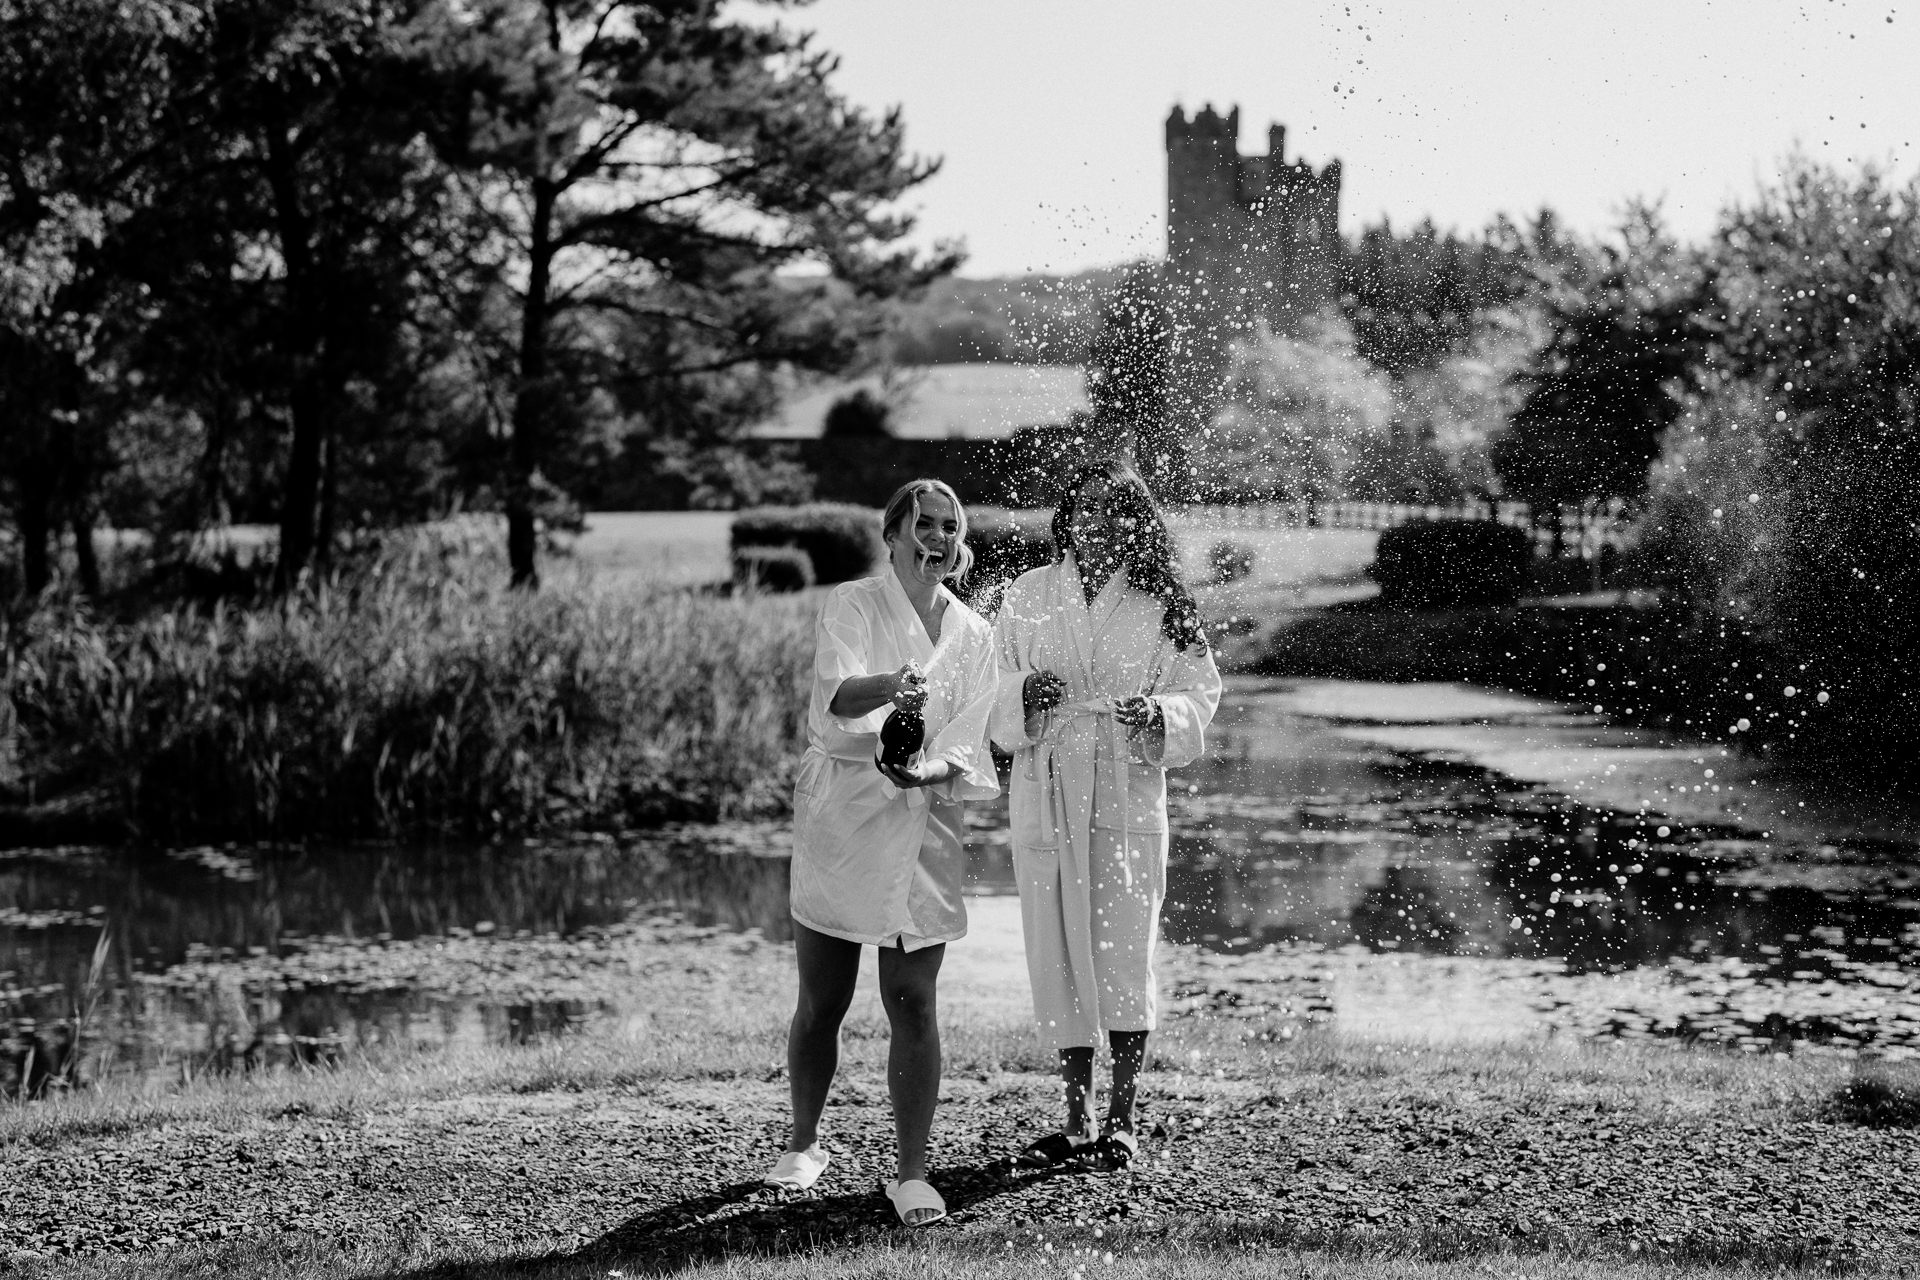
pixel 902 514
pixel 1146 549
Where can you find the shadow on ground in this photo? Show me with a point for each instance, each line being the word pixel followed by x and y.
pixel 744 1219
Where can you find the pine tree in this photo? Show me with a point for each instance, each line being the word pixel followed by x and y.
pixel 653 174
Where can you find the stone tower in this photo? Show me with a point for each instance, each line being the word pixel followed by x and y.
pixel 1249 238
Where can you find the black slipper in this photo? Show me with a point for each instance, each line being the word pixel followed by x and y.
pixel 1053 1151
pixel 1114 1151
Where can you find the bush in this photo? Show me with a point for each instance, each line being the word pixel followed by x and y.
pixel 1789 544
pixel 1428 564
pixel 407 700
pixel 842 540
pixel 1007 543
pixel 777 569
pixel 1230 561
pixel 860 416
pixel 1882 1095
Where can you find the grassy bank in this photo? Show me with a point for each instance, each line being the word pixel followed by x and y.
pixel 416 694
pixel 1638 660
pixel 1273 1145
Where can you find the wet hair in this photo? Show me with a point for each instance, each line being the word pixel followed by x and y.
pixel 1147 551
pixel 903 513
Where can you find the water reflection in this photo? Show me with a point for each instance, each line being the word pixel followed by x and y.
pixel 226 959
pixel 1289 834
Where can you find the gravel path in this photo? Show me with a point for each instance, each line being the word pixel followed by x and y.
pixel 662 1174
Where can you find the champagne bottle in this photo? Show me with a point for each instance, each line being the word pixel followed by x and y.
pixel 903 732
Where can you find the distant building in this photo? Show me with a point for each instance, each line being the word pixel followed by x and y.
pixel 1248 237
pixel 946 401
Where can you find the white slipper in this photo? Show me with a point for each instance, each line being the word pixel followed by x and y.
pixel 798 1170
pixel 912 1199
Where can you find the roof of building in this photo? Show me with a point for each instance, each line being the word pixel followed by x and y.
pixel 946 401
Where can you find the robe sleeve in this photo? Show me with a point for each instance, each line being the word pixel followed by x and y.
pixel 1186 701
pixel 842 649
pixel 1011 729
pixel 963 739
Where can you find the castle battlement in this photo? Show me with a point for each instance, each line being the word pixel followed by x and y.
pixel 1249 238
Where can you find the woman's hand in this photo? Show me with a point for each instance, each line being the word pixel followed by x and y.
pixel 925 774
pixel 1043 691
pixel 1136 713
pixel 909 688
pixel 861 695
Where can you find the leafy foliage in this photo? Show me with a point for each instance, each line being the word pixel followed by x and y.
pixel 1305 419
pixel 1782 508
pixel 1414 299
pixel 1610 380
pixel 649 169
pixel 342 263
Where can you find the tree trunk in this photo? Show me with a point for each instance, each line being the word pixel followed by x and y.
pixel 213 462
pixel 531 402
pixel 329 495
pixel 84 556
pixel 306 401
pixel 36 530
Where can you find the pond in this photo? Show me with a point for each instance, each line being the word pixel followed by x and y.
pixel 1320 824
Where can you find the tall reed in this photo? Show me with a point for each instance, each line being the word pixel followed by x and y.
pixel 416 694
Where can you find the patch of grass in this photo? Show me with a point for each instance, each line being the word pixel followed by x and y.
pixel 1214 1247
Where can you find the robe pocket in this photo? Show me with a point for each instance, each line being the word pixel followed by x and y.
pixel 1027 810
pixel 1146 799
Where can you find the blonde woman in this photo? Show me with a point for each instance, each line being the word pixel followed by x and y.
pixel 878 849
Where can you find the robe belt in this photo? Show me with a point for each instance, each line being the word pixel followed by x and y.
pixel 1053 793
pixel 866 753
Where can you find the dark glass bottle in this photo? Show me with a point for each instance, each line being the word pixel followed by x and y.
pixel 901 736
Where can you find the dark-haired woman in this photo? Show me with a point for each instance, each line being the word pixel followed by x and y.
pixel 1106 682
pixel 878 848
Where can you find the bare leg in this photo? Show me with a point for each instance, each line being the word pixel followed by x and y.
pixel 1129 1051
pixel 1076 1074
pixel 828 969
pixel 913 1058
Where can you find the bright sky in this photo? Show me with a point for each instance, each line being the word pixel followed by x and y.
pixel 1049 113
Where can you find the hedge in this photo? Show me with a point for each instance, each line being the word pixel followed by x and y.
pixel 773 568
pixel 1436 564
pixel 1230 561
pixel 842 540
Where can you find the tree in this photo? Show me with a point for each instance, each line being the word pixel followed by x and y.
pixel 1601 393
pixel 80 88
pixel 340 219
pixel 1784 506
pixel 1304 419
pixel 653 175
pixel 1129 380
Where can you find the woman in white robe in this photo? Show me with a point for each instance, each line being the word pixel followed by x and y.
pixel 878 850
pixel 1106 681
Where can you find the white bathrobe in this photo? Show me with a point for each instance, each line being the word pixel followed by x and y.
pixel 872 863
pixel 1089 802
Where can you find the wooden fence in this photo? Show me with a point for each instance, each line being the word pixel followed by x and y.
pixel 1591 531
